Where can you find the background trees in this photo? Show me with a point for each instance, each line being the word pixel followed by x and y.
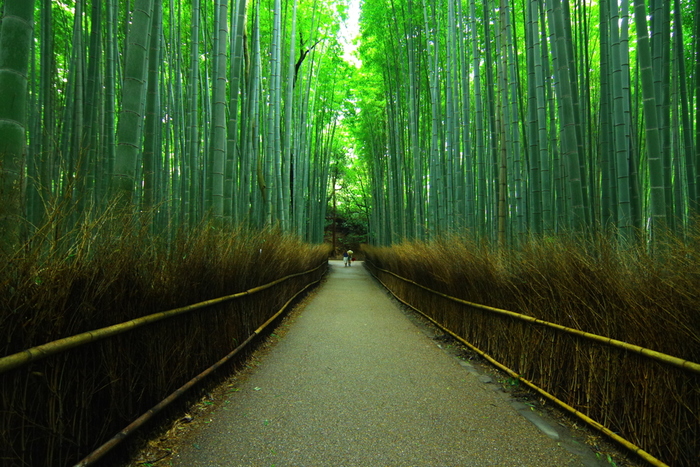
pixel 189 109
pixel 505 118
pixel 527 117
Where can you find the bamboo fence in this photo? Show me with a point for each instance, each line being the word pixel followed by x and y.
pixel 64 399
pixel 645 400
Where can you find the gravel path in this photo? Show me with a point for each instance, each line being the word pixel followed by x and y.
pixel 355 383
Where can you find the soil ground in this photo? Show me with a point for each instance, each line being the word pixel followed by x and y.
pixel 353 378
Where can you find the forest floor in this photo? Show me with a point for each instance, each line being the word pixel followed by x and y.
pixel 352 378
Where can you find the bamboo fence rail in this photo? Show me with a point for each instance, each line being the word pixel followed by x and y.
pixel 651 354
pixel 24 357
pixel 98 453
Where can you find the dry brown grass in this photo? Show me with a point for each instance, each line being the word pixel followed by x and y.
pixel 56 410
pixel 648 300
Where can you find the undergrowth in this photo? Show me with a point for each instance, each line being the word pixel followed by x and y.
pixel 630 295
pixel 108 271
pixel 650 299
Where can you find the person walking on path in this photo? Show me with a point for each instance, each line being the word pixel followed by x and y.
pixel 347 258
pixel 354 382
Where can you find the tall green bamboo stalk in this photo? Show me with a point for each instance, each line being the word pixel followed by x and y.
pixel 130 126
pixel 15 45
pixel 651 125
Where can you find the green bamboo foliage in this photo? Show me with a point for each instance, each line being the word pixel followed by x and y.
pixel 258 204
pixel 534 101
pixel 491 163
pixel 465 107
pixel 453 201
pixel 523 117
pixel 273 162
pixel 606 155
pixel 661 63
pixel 108 146
pixel 42 168
pixel 687 129
pixel 504 118
pixel 416 196
pixel 175 128
pixel 71 143
pixel 196 100
pixel 93 100
pixel 190 182
pixel 569 131
pixel 696 92
pixel 502 138
pixel 234 141
pixel 436 206
pixel 545 150
pixel 480 155
pixel 621 131
pixel 286 152
pixel 513 123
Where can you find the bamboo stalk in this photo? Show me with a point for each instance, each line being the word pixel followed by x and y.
pixel 24 357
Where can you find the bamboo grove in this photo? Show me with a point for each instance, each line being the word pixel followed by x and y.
pixel 190 109
pixel 510 118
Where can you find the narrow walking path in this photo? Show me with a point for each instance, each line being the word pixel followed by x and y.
pixel 355 383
